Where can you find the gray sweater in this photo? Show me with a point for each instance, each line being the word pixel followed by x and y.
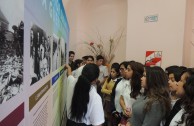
pixel 150 118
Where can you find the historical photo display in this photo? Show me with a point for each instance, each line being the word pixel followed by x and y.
pixel 11 55
pixel 63 51
pixel 40 51
pixel 56 63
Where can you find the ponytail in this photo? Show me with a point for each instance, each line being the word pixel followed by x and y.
pixel 81 97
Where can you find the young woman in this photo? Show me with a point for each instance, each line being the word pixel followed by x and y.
pixel 176 102
pixel 130 93
pixel 154 105
pixel 116 93
pixel 178 89
pixel 188 104
pixel 84 105
pixel 174 77
pixel 185 87
pixel 107 90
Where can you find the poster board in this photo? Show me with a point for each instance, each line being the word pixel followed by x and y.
pixel 34 37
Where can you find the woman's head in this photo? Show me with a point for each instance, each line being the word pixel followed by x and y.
pixel 154 78
pixel 172 85
pixel 187 73
pixel 174 77
pixel 155 82
pixel 91 72
pixel 130 68
pixel 134 72
pixel 115 71
pixel 188 102
pixel 78 63
pixel 123 67
pixel 82 88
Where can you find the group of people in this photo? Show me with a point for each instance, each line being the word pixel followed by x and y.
pixel 129 94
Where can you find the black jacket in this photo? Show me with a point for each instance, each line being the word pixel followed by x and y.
pixel 176 108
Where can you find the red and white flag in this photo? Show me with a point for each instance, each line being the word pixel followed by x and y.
pixel 153 58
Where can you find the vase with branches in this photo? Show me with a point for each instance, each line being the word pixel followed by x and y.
pixel 105 48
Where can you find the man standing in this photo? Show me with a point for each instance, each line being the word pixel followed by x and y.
pixel 103 73
pixel 71 58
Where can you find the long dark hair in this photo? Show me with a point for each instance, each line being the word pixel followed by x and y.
pixel 77 63
pixel 138 70
pixel 82 88
pixel 188 102
pixel 114 66
pixel 157 88
pixel 188 99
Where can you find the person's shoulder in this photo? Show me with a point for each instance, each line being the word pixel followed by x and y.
pixel 118 83
pixel 71 78
pixel 80 68
pixel 79 71
pixel 177 118
pixel 71 82
pixel 94 95
pixel 104 67
pixel 118 80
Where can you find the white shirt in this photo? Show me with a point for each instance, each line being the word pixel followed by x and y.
pixel 118 92
pixel 95 113
pixel 103 72
pixel 78 71
pixel 74 72
pixel 177 118
pixel 126 95
pixel 173 101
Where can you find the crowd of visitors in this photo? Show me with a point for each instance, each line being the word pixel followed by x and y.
pixel 128 94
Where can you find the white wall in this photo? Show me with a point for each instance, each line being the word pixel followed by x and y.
pixel 86 17
pixel 171 34
pixel 188 54
pixel 76 21
pixel 166 35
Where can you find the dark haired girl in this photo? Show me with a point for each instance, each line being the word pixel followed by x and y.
pixel 107 90
pixel 185 90
pixel 154 105
pixel 131 91
pixel 116 93
pixel 84 105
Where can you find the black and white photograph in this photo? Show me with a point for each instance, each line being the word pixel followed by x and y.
pixel 63 51
pixel 56 63
pixel 39 54
pixel 11 53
